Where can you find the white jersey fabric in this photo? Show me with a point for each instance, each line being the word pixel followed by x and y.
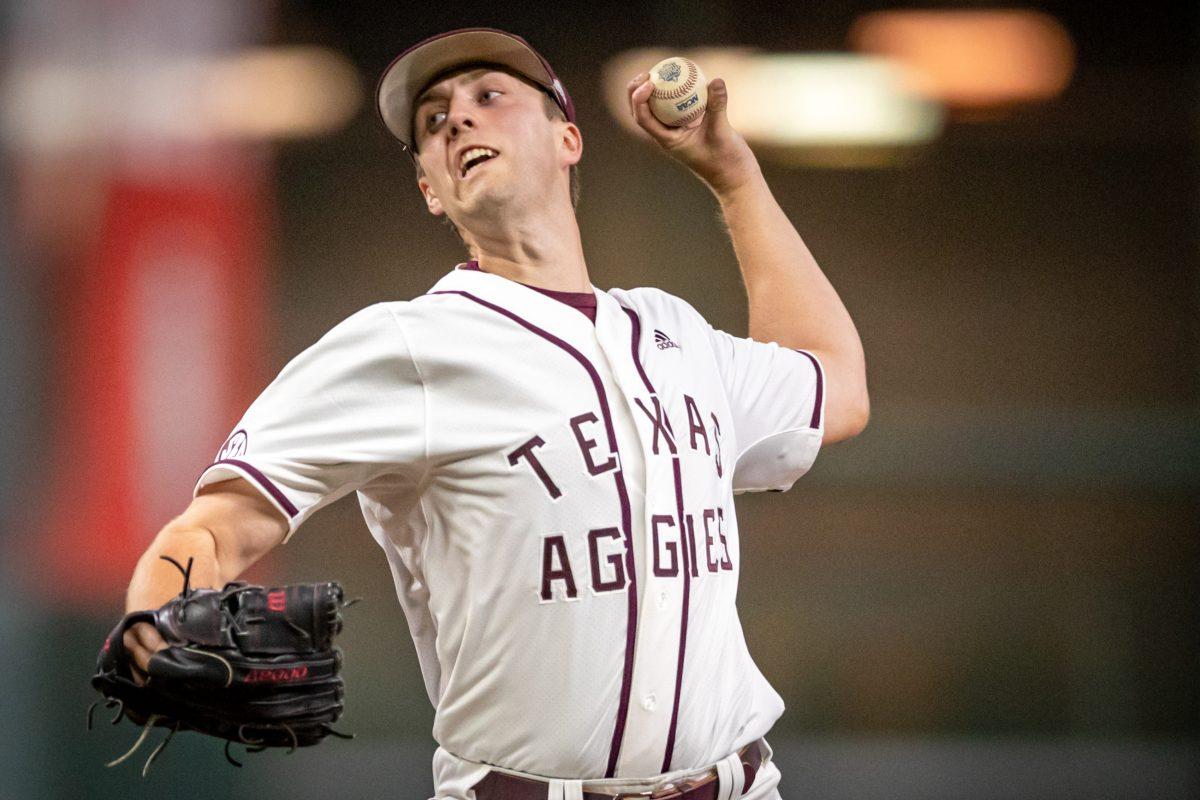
pixel 556 501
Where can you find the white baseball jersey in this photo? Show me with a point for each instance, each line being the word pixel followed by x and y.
pixel 555 498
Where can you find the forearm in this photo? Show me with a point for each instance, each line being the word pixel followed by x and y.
pixel 227 528
pixel 155 580
pixel 791 300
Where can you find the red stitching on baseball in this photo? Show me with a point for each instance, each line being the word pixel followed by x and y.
pixel 683 89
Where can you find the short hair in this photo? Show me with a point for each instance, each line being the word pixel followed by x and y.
pixel 553 111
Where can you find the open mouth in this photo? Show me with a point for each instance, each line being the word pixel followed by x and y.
pixel 474 157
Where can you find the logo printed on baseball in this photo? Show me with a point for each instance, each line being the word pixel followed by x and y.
pixel 680 93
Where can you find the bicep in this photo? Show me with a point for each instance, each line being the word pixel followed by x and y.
pixel 244 524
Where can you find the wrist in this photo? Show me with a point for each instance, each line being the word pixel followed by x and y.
pixel 155 580
pixel 729 168
pixel 733 188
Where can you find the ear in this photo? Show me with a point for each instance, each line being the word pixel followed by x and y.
pixel 572 144
pixel 431 200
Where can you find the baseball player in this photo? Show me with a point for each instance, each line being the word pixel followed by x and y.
pixel 549 468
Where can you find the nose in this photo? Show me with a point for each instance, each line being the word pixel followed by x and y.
pixel 459 119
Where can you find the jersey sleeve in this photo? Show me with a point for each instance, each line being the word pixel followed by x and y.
pixel 347 410
pixel 776 397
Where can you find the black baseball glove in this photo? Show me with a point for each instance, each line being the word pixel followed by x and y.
pixel 245 663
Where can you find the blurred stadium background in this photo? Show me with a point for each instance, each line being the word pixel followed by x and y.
pixel 992 593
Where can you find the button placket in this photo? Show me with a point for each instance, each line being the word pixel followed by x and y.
pixel 658 626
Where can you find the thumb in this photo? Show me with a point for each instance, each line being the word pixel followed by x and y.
pixel 718 99
pixel 715 119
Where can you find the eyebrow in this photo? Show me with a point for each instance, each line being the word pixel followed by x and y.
pixel 470 76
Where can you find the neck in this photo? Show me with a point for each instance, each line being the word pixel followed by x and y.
pixel 542 250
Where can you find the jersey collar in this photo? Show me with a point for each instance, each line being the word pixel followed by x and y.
pixel 529 304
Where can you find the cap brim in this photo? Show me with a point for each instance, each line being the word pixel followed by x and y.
pixel 416 67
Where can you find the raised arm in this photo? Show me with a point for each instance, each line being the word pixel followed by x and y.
pixel 225 529
pixel 793 303
pixel 791 300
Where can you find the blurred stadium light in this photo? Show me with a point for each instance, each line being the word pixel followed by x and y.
pixel 253 94
pixel 282 92
pixel 818 107
pixel 973 59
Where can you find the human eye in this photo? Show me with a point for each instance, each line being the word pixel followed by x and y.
pixel 483 95
pixel 432 119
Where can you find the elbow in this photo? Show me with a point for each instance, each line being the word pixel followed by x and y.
pixel 860 414
pixel 848 420
pixel 847 401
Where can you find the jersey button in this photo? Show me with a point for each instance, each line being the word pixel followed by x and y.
pixel 662 600
pixel 648 702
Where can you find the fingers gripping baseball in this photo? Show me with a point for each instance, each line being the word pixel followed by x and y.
pixel 709 145
pixel 641 88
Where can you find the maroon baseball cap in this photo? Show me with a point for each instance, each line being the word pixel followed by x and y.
pixel 420 65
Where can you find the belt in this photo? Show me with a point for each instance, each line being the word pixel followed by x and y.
pixel 502 786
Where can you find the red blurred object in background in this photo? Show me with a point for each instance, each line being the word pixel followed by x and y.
pixel 159 349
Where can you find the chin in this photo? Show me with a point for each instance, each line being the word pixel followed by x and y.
pixel 490 199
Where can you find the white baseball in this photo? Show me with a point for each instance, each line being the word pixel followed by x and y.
pixel 680 91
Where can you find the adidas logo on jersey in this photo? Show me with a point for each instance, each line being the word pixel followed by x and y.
pixel 663 341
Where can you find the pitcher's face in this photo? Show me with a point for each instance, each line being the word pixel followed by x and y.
pixel 483 137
